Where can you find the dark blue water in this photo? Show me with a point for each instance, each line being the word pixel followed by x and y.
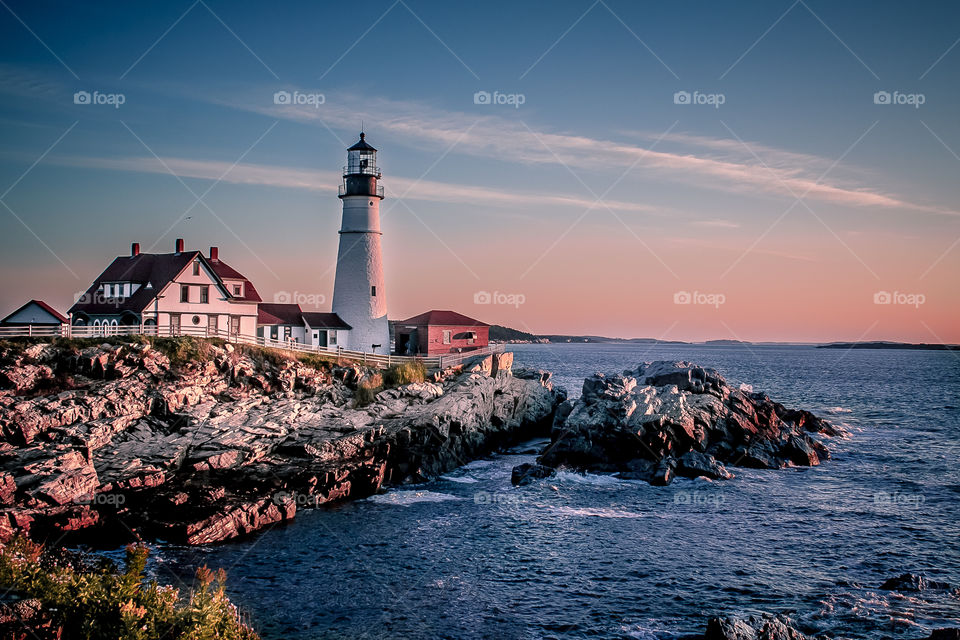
pixel 469 556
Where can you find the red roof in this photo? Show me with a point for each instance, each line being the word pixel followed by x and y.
pixel 43 305
pixel 445 318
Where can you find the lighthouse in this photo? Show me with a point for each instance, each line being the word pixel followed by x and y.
pixel 359 297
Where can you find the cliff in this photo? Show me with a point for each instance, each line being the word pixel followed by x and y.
pixel 196 441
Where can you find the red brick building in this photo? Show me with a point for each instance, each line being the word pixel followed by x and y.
pixel 438 332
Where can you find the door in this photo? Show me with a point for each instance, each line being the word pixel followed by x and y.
pixel 234 325
pixel 174 324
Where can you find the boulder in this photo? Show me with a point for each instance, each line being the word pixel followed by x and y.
pixel 912 582
pixel 527 473
pixel 664 419
pixel 758 627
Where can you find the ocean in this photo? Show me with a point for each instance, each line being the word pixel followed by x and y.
pixel 590 556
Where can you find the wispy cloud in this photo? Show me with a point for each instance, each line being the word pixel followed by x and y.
pixel 327 181
pixel 508 139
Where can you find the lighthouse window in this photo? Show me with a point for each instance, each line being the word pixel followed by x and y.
pixel 373 291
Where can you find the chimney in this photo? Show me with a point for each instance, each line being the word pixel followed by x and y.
pixel 214 254
pixel 134 249
pixel 179 246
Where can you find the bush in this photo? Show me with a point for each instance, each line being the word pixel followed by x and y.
pixel 405 373
pixel 106 603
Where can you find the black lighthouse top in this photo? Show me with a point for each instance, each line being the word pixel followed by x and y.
pixel 361 174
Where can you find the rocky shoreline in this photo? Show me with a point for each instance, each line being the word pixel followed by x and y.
pixel 668 419
pixel 114 442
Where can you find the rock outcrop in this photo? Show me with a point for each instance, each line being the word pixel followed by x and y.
pixel 757 627
pixel 668 419
pixel 912 582
pixel 113 441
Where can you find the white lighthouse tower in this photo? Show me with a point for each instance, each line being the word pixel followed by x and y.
pixel 359 297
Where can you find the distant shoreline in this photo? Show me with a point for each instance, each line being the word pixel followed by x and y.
pixel 506 335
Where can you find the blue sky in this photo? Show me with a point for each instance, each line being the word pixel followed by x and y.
pixel 497 197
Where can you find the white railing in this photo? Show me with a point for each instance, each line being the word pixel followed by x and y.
pixel 338 353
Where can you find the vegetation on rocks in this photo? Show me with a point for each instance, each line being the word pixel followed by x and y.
pixel 61 600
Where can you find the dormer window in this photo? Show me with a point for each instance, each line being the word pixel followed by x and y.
pixel 236 290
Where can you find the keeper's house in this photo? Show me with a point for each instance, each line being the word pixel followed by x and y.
pixel 170 291
pixel 438 332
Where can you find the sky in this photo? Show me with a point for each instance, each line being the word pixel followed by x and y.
pixel 764 171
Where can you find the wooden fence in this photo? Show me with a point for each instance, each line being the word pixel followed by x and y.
pixel 372 359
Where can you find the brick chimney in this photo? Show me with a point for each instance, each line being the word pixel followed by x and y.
pixel 134 249
pixel 214 254
pixel 179 246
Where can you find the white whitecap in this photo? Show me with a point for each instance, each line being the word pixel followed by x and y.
pixel 589 478
pixel 587 512
pixel 406 498
pixel 835 410
pixel 460 479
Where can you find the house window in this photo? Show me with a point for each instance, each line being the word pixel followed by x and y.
pixel 259 332
pixel 373 291
pixel 196 268
pixel 184 293
pixel 195 320
pixel 332 338
pixel 205 294
pixel 286 333
pixel 236 289
pixel 273 332
pixel 447 337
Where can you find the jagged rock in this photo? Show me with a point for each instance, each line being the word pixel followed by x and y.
pixel 762 627
pixel 912 582
pixel 675 418
pixel 207 451
pixel 527 473
pixel 694 464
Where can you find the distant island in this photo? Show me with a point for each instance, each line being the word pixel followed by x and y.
pixel 890 345
pixel 500 333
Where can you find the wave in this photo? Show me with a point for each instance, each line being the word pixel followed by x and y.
pixel 405 498
pixel 590 479
pixel 460 479
pixel 599 512
pixel 836 410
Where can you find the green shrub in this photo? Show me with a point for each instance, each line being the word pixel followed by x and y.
pixel 106 603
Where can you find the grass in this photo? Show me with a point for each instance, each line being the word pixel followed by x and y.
pixel 107 602
pixel 395 376
pixel 405 373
